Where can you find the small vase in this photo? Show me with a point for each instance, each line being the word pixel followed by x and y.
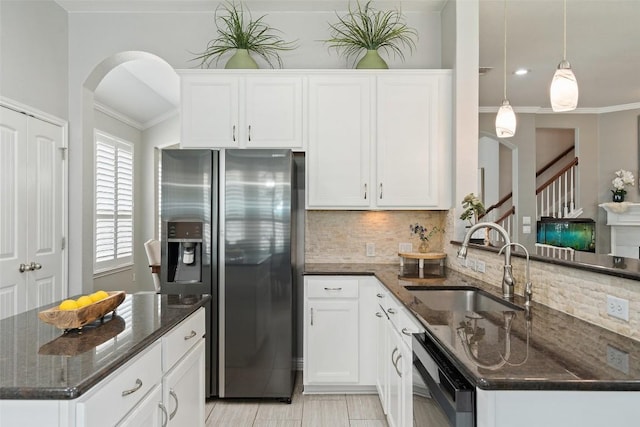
pixel 372 59
pixel 241 59
pixel 618 197
pixel 423 248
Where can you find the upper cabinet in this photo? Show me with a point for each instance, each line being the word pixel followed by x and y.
pixel 231 110
pixel 380 140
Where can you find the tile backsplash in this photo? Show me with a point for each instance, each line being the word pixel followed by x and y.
pixel 342 236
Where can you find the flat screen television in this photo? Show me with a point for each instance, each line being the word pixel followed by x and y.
pixel 576 233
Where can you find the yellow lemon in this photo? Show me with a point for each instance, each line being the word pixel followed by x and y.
pixel 68 304
pixel 99 295
pixel 84 301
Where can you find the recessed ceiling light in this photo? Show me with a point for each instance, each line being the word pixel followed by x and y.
pixel 521 72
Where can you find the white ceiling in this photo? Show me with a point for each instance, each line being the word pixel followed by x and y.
pixel 603 41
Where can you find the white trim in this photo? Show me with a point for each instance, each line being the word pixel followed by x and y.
pixel 131 122
pixel 109 271
pixel 161 118
pixel 541 110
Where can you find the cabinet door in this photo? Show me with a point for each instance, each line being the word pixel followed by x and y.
pixel 183 389
pixel 413 142
pixel 210 111
pixel 395 380
pixel 331 338
pixel 404 363
pixel 273 112
pixel 382 359
pixel 149 412
pixel 339 140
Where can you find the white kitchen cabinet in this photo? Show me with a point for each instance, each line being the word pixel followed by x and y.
pixel 183 389
pixel 146 412
pixel 340 117
pixel 380 140
pixel 244 110
pixel 400 412
pixel 331 347
pixel 413 141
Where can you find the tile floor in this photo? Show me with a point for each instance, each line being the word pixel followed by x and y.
pixel 334 410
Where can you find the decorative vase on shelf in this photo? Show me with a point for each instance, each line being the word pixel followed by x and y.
pixel 424 247
pixel 618 197
pixel 241 59
pixel 372 60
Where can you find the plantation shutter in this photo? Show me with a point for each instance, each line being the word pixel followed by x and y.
pixel 114 203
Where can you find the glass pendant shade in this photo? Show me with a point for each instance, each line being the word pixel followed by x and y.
pixel 564 89
pixel 505 121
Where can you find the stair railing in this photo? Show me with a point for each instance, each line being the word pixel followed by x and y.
pixel 556 197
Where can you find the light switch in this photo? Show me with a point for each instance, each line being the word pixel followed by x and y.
pixel 526 220
pixel 526 229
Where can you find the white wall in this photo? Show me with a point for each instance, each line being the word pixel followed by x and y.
pixel 34 55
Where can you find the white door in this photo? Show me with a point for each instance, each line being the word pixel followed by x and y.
pixel 31 213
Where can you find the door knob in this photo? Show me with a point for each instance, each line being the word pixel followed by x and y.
pixel 35 266
pixel 24 267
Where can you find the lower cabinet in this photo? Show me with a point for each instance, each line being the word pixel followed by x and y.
pixel 146 412
pixel 183 390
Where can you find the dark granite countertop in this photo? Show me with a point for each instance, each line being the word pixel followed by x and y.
pixel 38 362
pixel 544 350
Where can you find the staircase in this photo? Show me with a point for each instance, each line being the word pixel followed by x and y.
pixel 556 197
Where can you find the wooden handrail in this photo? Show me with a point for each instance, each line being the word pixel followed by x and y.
pixel 497 204
pixel 506 214
pixel 554 161
pixel 573 163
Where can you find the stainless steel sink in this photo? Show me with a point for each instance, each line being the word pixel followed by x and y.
pixel 460 299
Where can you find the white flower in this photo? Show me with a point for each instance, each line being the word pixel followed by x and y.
pixel 622 179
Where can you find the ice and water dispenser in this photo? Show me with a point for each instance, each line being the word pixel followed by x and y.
pixel 183 251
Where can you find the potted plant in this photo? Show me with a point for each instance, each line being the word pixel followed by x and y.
pixel 368 29
pixel 425 234
pixel 242 34
pixel 473 210
pixel 622 179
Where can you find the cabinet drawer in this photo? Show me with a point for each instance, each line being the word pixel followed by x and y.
pixel 334 288
pixel 180 339
pixel 106 404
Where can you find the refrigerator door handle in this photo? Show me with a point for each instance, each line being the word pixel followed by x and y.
pixel 234 133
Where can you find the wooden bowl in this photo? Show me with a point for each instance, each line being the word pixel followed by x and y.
pixel 72 319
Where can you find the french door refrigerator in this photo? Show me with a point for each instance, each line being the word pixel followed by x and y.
pixel 227 231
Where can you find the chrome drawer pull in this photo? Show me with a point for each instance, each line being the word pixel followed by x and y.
pixel 165 417
pixel 406 332
pixel 191 335
pixel 175 397
pixel 392 311
pixel 332 289
pixel 133 390
pixel 396 365
pixel 392 353
pixel 380 295
pixel 379 314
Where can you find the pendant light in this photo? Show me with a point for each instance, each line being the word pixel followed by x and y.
pixel 506 118
pixel 564 86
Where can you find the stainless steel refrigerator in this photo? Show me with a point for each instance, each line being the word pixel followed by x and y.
pixel 228 230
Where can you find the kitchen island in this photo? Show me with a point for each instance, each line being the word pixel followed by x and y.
pixel 56 375
pixel 540 361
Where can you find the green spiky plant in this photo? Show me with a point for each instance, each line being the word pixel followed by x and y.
pixel 365 28
pixel 235 31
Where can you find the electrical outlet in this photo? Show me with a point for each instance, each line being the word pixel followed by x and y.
pixel 618 307
pixel 405 247
pixel 618 359
pixel 371 249
pixel 471 263
pixel 480 266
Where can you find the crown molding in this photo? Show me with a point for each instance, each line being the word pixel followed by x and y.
pixel 541 110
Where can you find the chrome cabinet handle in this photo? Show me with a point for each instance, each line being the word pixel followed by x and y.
pixel 365 191
pixel 133 390
pixel 380 191
pixel 35 266
pixel 311 316
pixel 332 289
pixel 392 353
pixel 392 311
pixel 165 416
pixel 395 365
pixel 249 133
pixel 24 267
pixel 175 397
pixel 380 295
pixel 379 314
pixel 191 335
pixel 234 133
pixel 406 332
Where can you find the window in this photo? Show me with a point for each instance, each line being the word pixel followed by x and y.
pixel 113 203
